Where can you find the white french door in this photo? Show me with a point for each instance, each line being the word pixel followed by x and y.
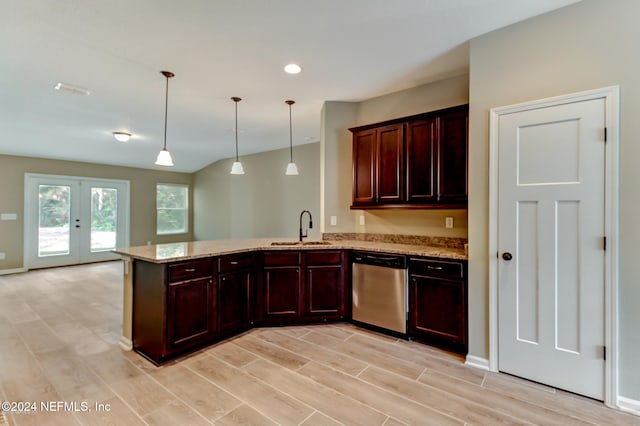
pixel 551 229
pixel 71 220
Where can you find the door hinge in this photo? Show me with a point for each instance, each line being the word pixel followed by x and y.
pixel 604 243
pixel 605 135
pixel 604 353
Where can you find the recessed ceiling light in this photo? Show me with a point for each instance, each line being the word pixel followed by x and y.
pixel 292 68
pixel 73 89
pixel 122 136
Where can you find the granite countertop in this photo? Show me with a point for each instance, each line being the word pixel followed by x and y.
pixel 171 252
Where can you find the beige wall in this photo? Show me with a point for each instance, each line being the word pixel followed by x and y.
pixel 263 202
pixel 335 142
pixel 588 45
pixel 142 199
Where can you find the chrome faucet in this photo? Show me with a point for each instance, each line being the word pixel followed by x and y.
pixel 310 224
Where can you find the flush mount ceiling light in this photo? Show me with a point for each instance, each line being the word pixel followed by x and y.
pixel 292 69
pixel 237 168
pixel 292 169
pixel 72 89
pixel 122 136
pixel 164 157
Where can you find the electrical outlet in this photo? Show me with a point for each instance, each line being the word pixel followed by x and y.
pixel 448 222
pixel 362 220
pixel 3 256
pixel 334 220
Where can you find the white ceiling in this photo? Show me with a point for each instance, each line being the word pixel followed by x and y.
pixel 350 50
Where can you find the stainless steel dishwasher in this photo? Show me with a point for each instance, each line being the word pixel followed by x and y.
pixel 379 290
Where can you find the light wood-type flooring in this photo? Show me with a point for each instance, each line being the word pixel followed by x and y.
pixel 59 332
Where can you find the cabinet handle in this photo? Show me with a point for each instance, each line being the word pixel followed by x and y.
pixel 190 270
pixel 437 268
pixel 233 262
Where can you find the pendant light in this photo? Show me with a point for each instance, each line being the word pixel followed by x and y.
pixel 164 157
pixel 237 168
pixel 292 169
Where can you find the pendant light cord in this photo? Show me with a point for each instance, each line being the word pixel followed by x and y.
pixel 290 137
pixel 290 133
pixel 236 102
pixel 166 108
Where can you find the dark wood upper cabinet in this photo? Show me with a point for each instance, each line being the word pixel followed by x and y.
pixel 412 162
pixel 390 164
pixel 422 160
pixel 452 158
pixel 364 155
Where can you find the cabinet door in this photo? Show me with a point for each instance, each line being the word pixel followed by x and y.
pixel 281 292
pixel 421 160
pixel 364 157
pixel 190 310
pixel 234 300
pixel 390 164
pixel 452 158
pixel 324 291
pixel 438 311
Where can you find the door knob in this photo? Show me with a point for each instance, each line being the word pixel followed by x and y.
pixel 507 256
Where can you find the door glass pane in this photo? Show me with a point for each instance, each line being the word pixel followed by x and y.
pixel 54 209
pixel 104 218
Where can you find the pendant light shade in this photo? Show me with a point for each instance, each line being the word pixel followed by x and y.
pixel 164 157
pixel 292 169
pixel 236 168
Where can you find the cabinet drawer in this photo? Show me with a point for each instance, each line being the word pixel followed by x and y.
pixel 281 258
pixel 236 261
pixel 324 257
pixel 436 268
pixel 189 270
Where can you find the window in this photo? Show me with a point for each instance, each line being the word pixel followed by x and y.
pixel 172 204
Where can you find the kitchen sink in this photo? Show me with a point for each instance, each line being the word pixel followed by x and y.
pixel 301 243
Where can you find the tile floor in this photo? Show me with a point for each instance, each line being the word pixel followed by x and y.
pixel 59 332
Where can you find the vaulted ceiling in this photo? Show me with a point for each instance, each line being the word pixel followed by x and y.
pixel 349 50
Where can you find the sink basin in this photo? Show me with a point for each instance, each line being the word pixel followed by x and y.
pixel 303 243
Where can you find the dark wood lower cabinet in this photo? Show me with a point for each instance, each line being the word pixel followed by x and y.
pixel 236 292
pixel 190 312
pixel 438 303
pixel 325 285
pixel 281 297
pixel 174 307
pixel 181 306
pixel 234 301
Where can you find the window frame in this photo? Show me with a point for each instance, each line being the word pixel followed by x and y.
pixel 186 209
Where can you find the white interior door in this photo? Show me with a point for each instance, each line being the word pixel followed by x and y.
pixel 551 227
pixel 70 220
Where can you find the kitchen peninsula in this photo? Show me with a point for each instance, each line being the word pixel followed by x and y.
pixel 181 296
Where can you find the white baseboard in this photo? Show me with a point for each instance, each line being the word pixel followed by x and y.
pixel 12 271
pixel 477 362
pixel 125 343
pixel 629 405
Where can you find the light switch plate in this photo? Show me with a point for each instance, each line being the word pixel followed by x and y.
pixel 362 220
pixel 3 256
pixel 448 222
pixel 334 220
pixel 8 216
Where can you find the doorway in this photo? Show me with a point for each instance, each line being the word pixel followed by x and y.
pixel 72 220
pixel 553 229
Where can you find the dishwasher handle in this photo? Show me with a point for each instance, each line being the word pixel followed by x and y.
pixel 389 261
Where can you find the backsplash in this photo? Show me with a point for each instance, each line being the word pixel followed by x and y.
pixel 420 240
